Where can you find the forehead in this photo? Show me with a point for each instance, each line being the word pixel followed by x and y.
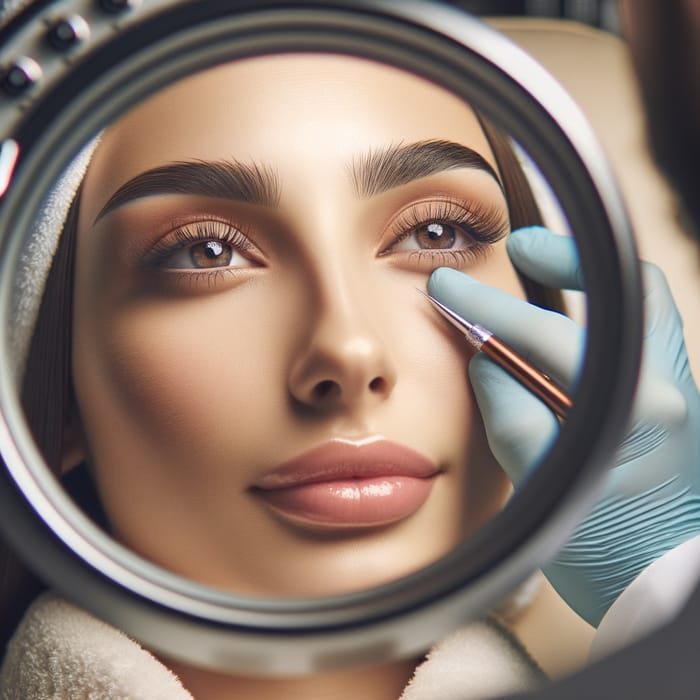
pixel 287 112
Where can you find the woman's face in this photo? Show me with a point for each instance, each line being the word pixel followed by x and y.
pixel 268 404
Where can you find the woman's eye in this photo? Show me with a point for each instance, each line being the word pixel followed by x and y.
pixel 204 246
pixel 433 235
pixel 204 255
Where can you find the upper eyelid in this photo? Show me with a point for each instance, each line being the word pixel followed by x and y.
pixel 175 238
pixel 488 215
pixel 182 223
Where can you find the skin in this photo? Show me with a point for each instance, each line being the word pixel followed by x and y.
pixel 191 386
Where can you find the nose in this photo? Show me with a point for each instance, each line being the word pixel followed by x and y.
pixel 346 362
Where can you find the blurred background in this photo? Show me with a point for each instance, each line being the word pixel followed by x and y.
pixel 602 14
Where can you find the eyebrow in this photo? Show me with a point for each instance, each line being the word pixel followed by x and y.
pixel 372 174
pixel 383 169
pixel 225 179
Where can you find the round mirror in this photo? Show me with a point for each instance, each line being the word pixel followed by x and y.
pixel 233 426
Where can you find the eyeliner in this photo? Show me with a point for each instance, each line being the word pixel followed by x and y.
pixel 483 340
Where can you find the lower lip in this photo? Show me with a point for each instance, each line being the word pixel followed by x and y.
pixel 364 502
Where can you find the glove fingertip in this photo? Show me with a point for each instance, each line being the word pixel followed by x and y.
pixel 444 280
pixel 548 258
pixel 524 239
pixel 528 232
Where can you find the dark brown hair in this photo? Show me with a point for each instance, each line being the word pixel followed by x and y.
pixel 522 209
pixel 45 398
pixel 47 394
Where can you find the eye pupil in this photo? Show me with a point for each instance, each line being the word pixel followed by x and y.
pixel 435 232
pixel 212 249
pixel 210 254
pixel 436 235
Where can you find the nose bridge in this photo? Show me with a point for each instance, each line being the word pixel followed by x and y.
pixel 348 325
pixel 345 359
pixel 340 274
pixel 343 293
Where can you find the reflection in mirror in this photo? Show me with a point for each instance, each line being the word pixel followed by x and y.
pixel 245 386
pixel 256 389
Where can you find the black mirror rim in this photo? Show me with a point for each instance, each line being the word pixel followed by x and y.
pixel 224 631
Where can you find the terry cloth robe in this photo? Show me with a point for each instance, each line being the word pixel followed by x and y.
pixel 61 652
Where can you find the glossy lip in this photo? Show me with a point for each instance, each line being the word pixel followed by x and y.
pixel 345 483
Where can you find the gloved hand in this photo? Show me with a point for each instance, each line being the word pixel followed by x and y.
pixel 651 499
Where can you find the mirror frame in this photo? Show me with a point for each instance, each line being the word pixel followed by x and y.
pixel 127 57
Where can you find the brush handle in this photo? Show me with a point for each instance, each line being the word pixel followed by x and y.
pixel 528 375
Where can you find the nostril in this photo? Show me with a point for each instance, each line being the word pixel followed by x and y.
pixel 324 389
pixel 327 391
pixel 378 385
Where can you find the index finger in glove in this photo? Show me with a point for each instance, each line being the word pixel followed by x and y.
pixel 546 257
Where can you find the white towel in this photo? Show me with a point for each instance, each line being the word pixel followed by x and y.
pixel 61 652
pixel 37 254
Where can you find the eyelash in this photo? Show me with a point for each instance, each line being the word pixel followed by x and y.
pixel 481 224
pixel 198 232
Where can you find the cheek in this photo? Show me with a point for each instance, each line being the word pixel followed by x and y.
pixel 433 388
pixel 436 354
pixel 437 369
pixel 442 363
pixel 177 380
pixel 438 414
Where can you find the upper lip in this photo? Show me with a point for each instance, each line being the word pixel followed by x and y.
pixel 338 460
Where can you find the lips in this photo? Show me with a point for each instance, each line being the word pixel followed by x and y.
pixel 349 484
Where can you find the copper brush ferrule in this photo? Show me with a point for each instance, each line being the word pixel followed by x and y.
pixel 483 340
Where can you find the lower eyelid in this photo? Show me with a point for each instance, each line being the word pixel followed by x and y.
pixel 198 281
pixel 428 260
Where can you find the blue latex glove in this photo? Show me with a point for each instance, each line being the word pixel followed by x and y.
pixel 651 499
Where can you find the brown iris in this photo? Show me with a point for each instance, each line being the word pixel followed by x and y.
pixel 210 254
pixel 435 235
